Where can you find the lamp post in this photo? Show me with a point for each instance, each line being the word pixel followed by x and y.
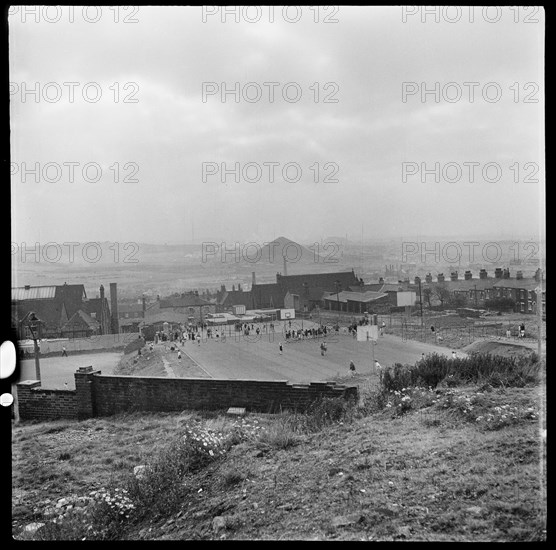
pixel 33 322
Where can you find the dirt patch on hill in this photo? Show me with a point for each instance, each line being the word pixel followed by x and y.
pixel 499 348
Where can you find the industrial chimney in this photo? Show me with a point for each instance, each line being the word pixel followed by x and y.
pixel 115 324
pixel 253 280
pixel 285 266
pixel 103 314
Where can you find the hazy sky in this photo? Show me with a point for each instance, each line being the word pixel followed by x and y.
pixel 151 123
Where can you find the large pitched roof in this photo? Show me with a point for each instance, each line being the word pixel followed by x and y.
pixel 33 293
pixel 72 296
pixel 312 294
pixel 326 281
pixel 235 298
pixel 268 295
pixel 50 312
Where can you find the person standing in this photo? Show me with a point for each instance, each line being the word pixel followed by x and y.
pixel 454 356
pixel 281 349
pixel 352 367
pixel 198 339
pixel 64 352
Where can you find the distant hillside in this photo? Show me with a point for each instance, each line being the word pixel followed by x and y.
pixel 276 250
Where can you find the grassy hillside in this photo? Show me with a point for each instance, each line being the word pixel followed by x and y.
pixel 451 462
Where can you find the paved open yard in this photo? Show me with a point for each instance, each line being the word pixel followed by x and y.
pixel 55 371
pixel 253 357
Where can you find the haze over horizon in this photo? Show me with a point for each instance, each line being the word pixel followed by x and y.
pixel 162 61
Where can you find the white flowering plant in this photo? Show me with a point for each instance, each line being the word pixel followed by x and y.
pixel 245 429
pixel 203 446
pixel 482 411
pixel 100 515
pixel 400 402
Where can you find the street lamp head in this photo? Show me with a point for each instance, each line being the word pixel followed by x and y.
pixel 33 318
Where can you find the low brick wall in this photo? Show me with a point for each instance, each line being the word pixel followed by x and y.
pixel 104 395
pixel 40 404
pixel 116 394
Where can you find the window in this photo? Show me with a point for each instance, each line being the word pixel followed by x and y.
pixel 126 315
pixel 94 314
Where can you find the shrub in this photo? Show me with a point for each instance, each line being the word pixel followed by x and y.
pixel 161 486
pixel 281 434
pixel 477 368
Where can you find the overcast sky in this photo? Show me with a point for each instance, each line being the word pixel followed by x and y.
pixel 152 121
